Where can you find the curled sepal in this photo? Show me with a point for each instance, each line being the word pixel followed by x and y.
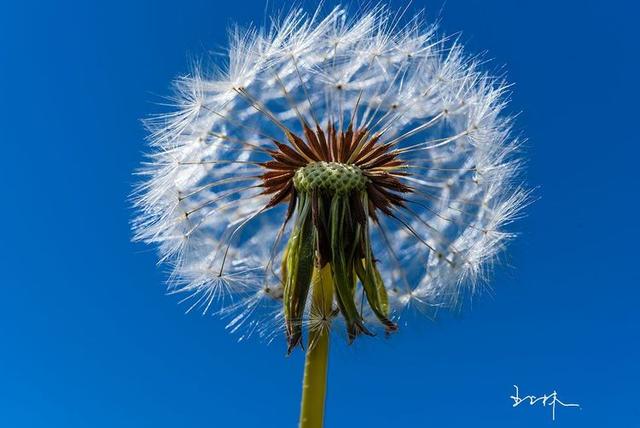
pixel 297 271
pixel 371 280
pixel 375 291
pixel 342 269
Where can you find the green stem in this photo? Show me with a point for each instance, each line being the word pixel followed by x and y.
pixel 314 385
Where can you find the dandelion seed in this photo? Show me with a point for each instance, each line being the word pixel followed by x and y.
pixel 339 171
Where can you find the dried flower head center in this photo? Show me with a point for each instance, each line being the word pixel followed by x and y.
pixel 332 177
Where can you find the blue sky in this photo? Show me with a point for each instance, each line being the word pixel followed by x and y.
pixel 88 337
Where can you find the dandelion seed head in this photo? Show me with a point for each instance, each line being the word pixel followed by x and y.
pixel 331 128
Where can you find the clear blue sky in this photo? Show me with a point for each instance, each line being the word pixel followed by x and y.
pixel 89 339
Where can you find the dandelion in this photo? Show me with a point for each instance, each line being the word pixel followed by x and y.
pixel 336 172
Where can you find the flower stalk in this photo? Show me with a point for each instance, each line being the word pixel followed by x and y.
pixel 314 384
pixel 328 251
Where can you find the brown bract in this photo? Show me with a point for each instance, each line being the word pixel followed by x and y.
pixel 379 162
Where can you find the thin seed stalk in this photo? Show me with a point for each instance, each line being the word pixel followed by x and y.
pixel 314 384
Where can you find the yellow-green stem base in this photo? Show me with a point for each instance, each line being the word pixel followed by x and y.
pixel 314 385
